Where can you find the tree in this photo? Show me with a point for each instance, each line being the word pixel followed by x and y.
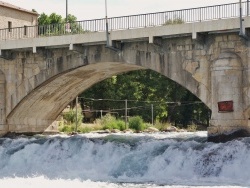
pixel 71 18
pixel 54 24
pixel 43 19
pixel 141 88
pixel 55 19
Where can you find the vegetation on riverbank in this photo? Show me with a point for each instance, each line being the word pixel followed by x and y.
pixel 109 123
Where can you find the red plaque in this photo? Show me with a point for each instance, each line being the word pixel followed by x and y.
pixel 225 106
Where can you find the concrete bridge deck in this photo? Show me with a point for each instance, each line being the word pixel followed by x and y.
pixel 129 35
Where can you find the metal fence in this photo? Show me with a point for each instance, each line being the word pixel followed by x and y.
pixel 129 22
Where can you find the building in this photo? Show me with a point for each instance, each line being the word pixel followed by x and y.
pixel 12 16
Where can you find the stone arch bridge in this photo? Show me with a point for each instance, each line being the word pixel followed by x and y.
pixel 39 76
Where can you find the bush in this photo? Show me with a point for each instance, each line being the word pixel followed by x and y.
pixel 192 128
pixel 110 122
pixel 70 116
pixel 136 123
pixel 67 128
pixel 162 126
pixel 85 129
pixel 110 125
pixel 121 125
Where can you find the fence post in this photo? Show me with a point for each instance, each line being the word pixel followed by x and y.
pixel 152 113
pixel 126 113
pixel 76 114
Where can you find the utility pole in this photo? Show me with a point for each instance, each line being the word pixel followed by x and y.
pixel 66 11
pixel 107 25
pixel 247 7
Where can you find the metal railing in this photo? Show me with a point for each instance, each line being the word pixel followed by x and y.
pixel 129 22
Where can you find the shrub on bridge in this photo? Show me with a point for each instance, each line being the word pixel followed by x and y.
pixel 174 21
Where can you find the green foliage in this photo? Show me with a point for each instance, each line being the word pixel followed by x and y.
pixel 192 128
pixel 43 19
pixel 107 119
pixel 54 24
pixel 67 128
pixel 136 123
pixel 71 19
pixel 85 129
pixel 70 116
pixel 74 26
pixel 121 125
pixel 55 18
pixel 147 85
pixel 162 126
pixel 174 21
pixel 110 122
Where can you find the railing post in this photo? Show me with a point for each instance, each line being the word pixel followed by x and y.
pixel 200 13
pixel 128 22
pixel 95 26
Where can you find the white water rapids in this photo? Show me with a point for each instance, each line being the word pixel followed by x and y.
pixel 162 160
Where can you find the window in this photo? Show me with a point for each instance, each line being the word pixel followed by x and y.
pixel 9 26
pixel 25 30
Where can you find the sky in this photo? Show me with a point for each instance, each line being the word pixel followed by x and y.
pixel 94 9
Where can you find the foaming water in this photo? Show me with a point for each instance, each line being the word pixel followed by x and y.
pixel 41 182
pixel 176 160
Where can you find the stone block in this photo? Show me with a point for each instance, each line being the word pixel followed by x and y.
pixel 225 37
pixel 218 39
pixel 233 37
pixel 189 55
pixel 187 47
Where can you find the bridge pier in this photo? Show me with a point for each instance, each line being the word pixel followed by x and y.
pixel 228 120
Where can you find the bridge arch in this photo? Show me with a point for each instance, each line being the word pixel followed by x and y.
pixel 69 73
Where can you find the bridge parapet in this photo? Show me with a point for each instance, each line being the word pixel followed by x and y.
pixel 200 14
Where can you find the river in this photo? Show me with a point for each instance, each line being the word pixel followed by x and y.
pixel 159 160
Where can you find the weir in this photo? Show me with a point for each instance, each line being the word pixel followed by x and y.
pixel 154 160
pixel 45 67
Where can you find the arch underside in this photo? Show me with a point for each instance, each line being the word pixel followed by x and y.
pixel 43 105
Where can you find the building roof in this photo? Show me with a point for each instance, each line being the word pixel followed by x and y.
pixel 8 5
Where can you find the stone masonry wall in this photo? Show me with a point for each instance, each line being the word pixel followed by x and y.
pixel 38 83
